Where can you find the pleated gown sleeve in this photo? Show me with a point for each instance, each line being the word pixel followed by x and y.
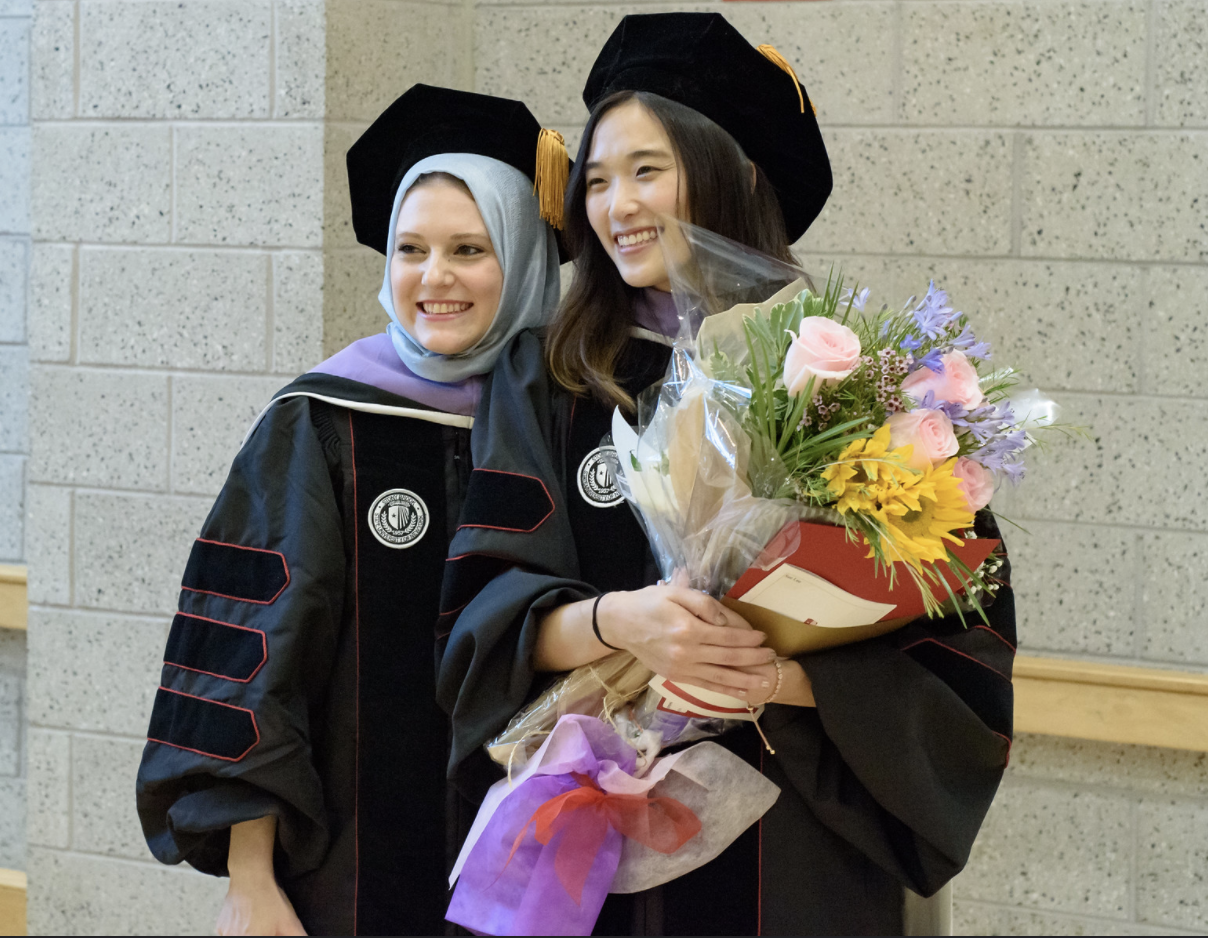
pixel 909 740
pixel 513 557
pixel 248 657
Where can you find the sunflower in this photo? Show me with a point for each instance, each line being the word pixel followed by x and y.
pixel 871 479
pixel 914 512
pixel 918 536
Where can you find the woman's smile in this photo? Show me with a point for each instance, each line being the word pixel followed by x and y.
pixel 442 308
pixel 635 239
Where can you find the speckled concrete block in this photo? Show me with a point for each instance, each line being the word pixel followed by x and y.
pixel 843 53
pixel 979 918
pixel 1008 63
pixel 1176 333
pixel 16 7
pixel 1181 63
pixel 250 185
pixel 103 815
pixel 1175 568
pixel 204 58
pixel 14 71
pixel 297 311
pixel 879 274
pixel 11 693
pixel 13 264
pixel 51 299
pixel 12 509
pixel 301 58
pixel 171 308
pixel 49 775
pixel 209 419
pixel 14 182
pixel 351 311
pixel 52 77
pixel 1075 588
pixel 1065 326
pixel 91 671
pixel 130 550
pixel 1053 849
pixel 377 49
pixel 120 187
pixel 1124 196
pixel 48 544
pixel 569 38
pixel 1121 475
pixel 102 428
pixel 941 192
pixel 337 204
pixel 14 390
pixel 74 894
pixel 1177 772
pixel 12 823
pixel 1172 863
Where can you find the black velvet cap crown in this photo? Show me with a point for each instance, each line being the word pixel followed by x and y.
pixel 422 122
pixel 701 61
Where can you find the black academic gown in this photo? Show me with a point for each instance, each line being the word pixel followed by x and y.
pixel 298 676
pixel 883 785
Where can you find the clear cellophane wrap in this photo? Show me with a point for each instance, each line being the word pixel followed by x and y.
pixel 698 489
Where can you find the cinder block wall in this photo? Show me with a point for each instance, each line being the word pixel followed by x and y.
pixel 191 252
pixel 186 157
pixel 1048 164
pixel 14 390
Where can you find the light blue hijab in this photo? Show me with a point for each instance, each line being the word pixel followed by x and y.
pixel 527 252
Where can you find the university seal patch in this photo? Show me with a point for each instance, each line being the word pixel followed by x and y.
pixel 398 518
pixel 598 480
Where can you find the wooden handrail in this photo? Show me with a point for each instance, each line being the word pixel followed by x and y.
pixel 12 902
pixel 13 591
pixel 1053 696
pixel 1111 702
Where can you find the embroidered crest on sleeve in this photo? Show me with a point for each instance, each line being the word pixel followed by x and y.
pixel 398 518
pixel 598 478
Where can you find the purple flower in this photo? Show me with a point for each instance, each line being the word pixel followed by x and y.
pixel 911 343
pixel 968 343
pixel 857 300
pixel 996 454
pixel 933 360
pixel 933 315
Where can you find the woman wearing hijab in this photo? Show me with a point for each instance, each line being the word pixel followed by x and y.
pixel 295 743
pixel 887 752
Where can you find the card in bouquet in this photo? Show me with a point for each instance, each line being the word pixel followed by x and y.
pixel 827 592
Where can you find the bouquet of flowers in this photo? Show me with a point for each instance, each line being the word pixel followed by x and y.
pixel 817 464
pixel 810 462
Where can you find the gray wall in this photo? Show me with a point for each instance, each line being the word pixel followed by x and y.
pixel 191 251
pixel 14 389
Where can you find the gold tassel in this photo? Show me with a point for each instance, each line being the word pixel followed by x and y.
pixel 770 53
pixel 549 180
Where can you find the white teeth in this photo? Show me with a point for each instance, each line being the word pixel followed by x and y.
pixel 637 238
pixel 436 309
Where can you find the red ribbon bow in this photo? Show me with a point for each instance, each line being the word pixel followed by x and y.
pixel 662 824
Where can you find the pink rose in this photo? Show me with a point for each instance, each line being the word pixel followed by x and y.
pixel 823 349
pixel 928 431
pixel 957 384
pixel 976 481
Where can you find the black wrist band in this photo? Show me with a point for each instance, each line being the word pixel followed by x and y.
pixel 595 624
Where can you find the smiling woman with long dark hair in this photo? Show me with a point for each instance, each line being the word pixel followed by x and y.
pixel 887 752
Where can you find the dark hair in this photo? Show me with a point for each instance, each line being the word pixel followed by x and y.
pixel 591 325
